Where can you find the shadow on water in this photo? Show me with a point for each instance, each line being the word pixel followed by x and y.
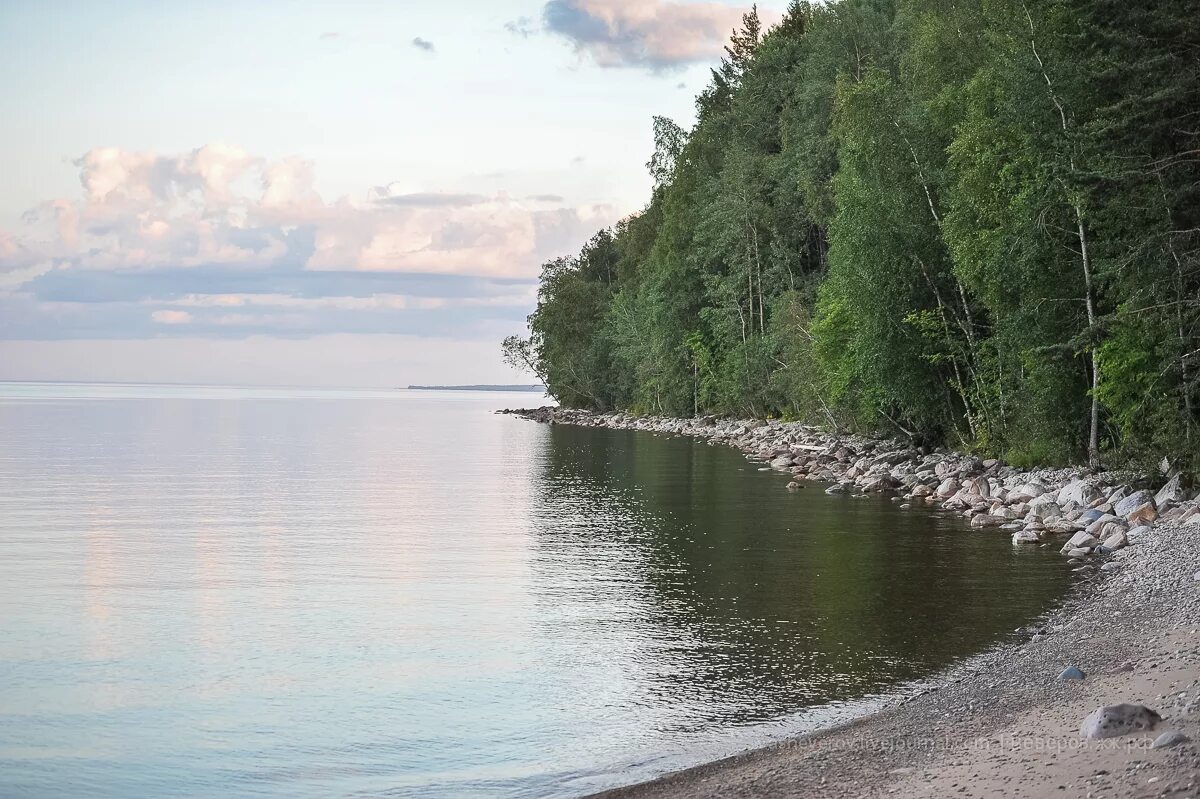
pixel 752 602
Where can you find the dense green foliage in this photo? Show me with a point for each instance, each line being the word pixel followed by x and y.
pixel 975 223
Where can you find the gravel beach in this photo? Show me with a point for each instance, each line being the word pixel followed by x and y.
pixel 1008 721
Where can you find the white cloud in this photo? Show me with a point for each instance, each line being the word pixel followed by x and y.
pixel 219 205
pixel 171 317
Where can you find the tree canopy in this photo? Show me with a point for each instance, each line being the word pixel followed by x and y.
pixel 969 223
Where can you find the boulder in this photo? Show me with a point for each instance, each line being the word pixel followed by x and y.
pixel 986 520
pixel 1116 541
pixel 1168 739
pixel 782 462
pixel 1027 491
pixel 1026 536
pixel 1071 673
pixel 1143 514
pixel 979 486
pixel 948 487
pixel 1171 492
pixel 837 488
pixel 1132 502
pixel 1112 721
pixel 1081 492
pixel 883 483
pixel 1112 528
pixel 1081 552
pixel 1097 526
pixel 1081 541
pixel 894 458
pixel 1049 498
pixel 1044 510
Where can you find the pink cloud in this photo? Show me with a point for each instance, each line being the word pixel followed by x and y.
pixel 171 317
pixel 658 34
pixel 220 205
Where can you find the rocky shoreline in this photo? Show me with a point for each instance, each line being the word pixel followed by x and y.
pixel 1101 698
pixel 1085 514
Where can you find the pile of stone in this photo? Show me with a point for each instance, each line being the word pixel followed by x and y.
pixel 1096 514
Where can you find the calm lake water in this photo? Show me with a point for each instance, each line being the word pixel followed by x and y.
pixel 248 592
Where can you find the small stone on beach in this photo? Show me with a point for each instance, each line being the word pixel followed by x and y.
pixel 1169 738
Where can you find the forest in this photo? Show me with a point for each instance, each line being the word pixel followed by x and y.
pixel 973 224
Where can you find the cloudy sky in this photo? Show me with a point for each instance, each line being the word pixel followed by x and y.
pixel 340 193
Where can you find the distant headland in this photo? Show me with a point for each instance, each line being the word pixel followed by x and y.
pixel 478 388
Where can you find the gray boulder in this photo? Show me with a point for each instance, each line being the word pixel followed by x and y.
pixel 1026 537
pixel 1112 721
pixel 1169 738
pixel 1044 510
pixel 1115 541
pixel 1081 492
pixel 1027 491
pixel 1132 502
pixel 1081 540
pixel 1171 492
pixel 1097 526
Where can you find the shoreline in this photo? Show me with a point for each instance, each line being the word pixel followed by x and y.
pixel 1000 722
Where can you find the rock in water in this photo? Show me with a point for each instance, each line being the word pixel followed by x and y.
pixel 1169 738
pixel 1112 721
pixel 1071 673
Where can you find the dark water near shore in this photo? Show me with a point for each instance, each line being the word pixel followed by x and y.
pixel 234 592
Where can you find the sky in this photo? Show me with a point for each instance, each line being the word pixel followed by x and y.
pixel 341 193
